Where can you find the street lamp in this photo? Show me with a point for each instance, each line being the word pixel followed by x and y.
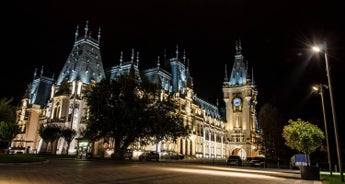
pixel 319 88
pixel 324 50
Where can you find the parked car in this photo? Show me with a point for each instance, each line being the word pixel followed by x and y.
pixel 149 155
pixel 172 155
pixel 181 156
pixel 128 154
pixel 234 160
pixel 257 162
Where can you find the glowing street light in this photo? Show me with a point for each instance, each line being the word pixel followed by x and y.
pixel 319 89
pixel 323 48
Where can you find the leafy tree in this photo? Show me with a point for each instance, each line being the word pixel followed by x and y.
pixel 165 111
pixel 303 136
pixel 49 134
pixel 68 134
pixel 8 126
pixel 271 123
pixel 128 109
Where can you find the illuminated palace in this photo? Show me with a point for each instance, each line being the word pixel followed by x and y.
pixel 214 132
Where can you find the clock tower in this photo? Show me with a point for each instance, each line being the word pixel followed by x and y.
pixel 240 97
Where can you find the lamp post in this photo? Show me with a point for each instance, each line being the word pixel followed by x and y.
pixel 319 88
pixel 324 49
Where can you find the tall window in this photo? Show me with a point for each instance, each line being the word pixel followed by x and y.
pixel 57 109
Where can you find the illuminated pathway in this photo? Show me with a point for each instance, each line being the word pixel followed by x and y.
pixel 124 172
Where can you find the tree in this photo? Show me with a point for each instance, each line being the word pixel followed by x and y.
pixel 8 126
pixel 164 121
pixel 271 123
pixel 128 109
pixel 68 134
pixel 303 136
pixel 49 134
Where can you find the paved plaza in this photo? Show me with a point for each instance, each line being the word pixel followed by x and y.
pixel 65 171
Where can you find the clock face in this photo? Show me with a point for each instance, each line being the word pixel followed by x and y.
pixel 237 101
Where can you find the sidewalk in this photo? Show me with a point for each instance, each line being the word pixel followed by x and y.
pixel 285 173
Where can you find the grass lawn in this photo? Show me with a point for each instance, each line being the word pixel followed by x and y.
pixel 20 158
pixel 334 179
pixel 27 158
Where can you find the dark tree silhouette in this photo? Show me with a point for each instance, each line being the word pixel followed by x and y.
pixel 271 122
pixel 49 134
pixel 129 109
pixel 68 134
pixel 8 126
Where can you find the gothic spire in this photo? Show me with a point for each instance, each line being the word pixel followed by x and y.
pixel 253 82
pixel 137 58
pixel 35 73
pixel 226 74
pixel 86 29
pixel 76 33
pixel 121 58
pixel 156 79
pixel 238 74
pixel 132 56
pixel 42 71
pixel 99 35
pixel 189 78
pixel 238 47
pixel 158 63
pixel 165 54
pixel 176 51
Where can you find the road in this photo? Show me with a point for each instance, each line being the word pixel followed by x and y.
pixel 66 171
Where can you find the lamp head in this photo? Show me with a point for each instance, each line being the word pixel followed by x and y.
pixel 316 49
pixel 319 48
pixel 316 88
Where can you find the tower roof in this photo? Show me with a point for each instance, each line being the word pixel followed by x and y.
pixel 84 62
pixel 39 90
pixel 239 70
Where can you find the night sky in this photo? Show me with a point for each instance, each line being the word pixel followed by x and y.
pixel 275 37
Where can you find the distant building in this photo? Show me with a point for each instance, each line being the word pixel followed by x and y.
pixel 214 132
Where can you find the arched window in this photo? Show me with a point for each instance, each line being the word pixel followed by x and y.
pixel 57 109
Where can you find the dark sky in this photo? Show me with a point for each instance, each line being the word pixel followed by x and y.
pixel 274 34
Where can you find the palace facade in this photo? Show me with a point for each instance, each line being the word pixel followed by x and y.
pixel 215 132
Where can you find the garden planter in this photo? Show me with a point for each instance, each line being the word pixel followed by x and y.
pixel 310 173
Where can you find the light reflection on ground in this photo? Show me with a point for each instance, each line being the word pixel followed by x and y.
pixel 252 170
pixel 229 173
